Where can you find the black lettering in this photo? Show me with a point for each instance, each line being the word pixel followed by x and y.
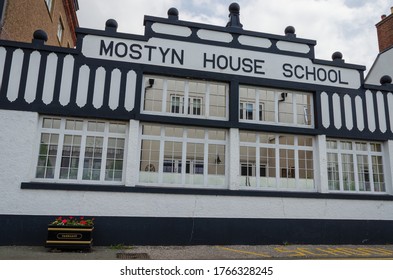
pixel 299 76
pixel 213 61
pixel 258 66
pixel 287 70
pixel 310 73
pixel 335 76
pixel 247 65
pixel 223 59
pixel 121 52
pixel 164 53
pixel 150 48
pixel 321 73
pixel 135 51
pixel 231 63
pixel 340 79
pixel 180 58
pixel 106 49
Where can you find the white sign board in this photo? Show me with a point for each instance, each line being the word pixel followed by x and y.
pixel 193 56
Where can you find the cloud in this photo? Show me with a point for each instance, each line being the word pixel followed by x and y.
pixel 129 14
pixel 337 25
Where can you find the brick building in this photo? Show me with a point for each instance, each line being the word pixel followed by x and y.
pixel 20 18
pixel 385 31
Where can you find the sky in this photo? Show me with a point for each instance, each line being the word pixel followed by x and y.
pixel 347 26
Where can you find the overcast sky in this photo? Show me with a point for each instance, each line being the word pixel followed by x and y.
pixel 347 26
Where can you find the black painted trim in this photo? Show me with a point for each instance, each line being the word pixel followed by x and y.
pixel 196 191
pixel 375 109
pixel 32 230
pixel 6 75
pixel 39 47
pixel 388 112
pixel 383 88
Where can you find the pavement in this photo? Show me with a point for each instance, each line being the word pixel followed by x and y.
pixel 234 252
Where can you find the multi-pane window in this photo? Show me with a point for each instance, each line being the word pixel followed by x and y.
pixel 276 161
pixel 355 166
pixel 60 30
pixel 185 97
pixel 275 106
pixel 81 150
pixel 174 155
pixel 49 4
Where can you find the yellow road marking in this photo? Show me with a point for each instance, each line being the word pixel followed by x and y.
pixel 243 252
pixel 329 252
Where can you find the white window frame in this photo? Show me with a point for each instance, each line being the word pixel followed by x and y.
pixel 177 103
pixel 192 109
pixel 276 146
pixel 339 151
pixel 49 5
pixel 186 97
pixel 259 110
pixel 162 138
pixel 60 30
pixel 84 133
pixel 245 111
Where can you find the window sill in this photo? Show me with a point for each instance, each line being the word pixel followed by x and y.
pixel 190 191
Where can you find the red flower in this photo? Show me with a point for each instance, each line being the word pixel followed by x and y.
pixel 83 222
pixel 71 217
pixel 64 221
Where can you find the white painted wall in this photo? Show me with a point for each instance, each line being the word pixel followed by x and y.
pixel 18 141
pixel 382 66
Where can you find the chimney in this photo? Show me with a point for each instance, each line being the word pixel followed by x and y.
pixel 385 31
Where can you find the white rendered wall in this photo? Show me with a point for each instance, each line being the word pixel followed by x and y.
pixel 18 141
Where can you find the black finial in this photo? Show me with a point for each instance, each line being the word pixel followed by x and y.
pixel 40 37
pixel 234 18
pixel 338 57
pixel 290 31
pixel 173 14
pixel 385 80
pixel 111 25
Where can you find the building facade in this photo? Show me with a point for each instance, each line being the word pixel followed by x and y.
pixel 194 134
pixel 19 19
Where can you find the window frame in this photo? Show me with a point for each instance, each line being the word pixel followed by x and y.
pixel 49 5
pixel 278 98
pixel 62 132
pixel 291 172
pixel 187 99
pixel 184 166
pixel 339 151
pixel 60 27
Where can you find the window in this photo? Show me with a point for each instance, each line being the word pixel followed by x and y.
pixel 80 150
pixel 185 97
pixel 49 4
pixel 246 111
pixel 276 161
pixel 177 104
pixel 60 30
pixel 195 106
pixel 174 155
pixel 275 106
pixel 355 166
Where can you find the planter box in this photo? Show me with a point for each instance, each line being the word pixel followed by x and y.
pixel 72 238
